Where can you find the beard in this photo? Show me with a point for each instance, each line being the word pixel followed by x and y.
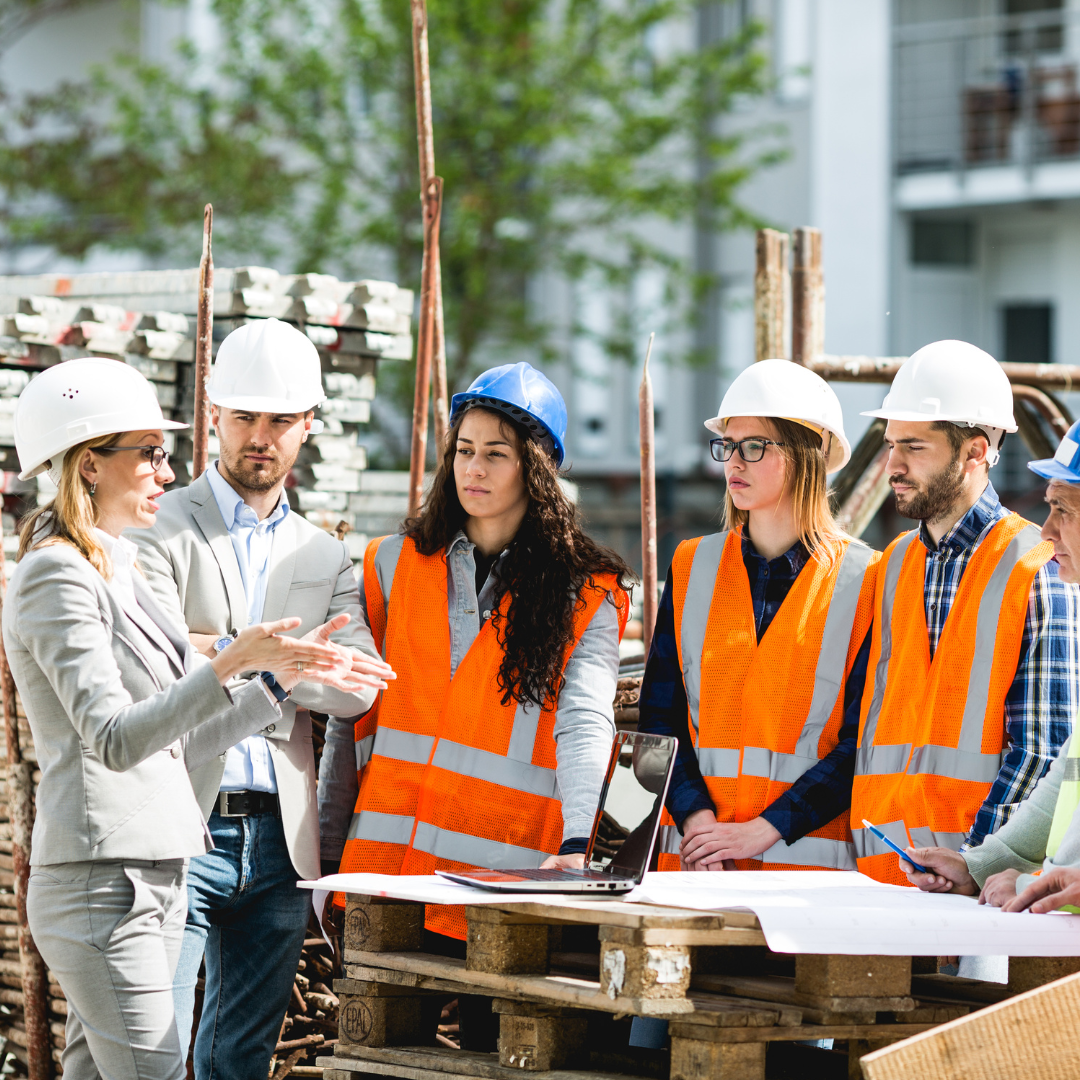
pixel 936 497
pixel 255 476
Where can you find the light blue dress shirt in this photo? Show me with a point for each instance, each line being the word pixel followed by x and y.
pixel 248 764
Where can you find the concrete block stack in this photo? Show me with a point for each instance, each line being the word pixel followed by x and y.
pixel 147 319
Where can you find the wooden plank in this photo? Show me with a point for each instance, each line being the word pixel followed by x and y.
pixel 806 1031
pixel 777 988
pixel 1031 1035
pixel 599 912
pixel 424 971
pixel 727 935
pixel 947 988
pixel 419 1062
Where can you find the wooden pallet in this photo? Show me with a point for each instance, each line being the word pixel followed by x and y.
pixel 710 974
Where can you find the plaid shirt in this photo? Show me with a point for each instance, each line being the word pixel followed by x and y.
pixel 1042 700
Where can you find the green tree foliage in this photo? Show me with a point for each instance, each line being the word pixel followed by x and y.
pixel 566 130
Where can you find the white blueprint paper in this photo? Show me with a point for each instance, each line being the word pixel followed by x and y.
pixel 847 913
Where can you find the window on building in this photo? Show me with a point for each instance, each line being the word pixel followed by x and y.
pixel 1043 35
pixel 937 242
pixel 1027 338
pixel 1027 333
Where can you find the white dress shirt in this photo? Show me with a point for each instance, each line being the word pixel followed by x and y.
pixel 248 764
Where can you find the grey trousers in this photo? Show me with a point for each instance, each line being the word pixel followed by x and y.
pixel 111 933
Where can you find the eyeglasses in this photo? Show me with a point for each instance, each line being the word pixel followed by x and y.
pixel 156 455
pixel 749 449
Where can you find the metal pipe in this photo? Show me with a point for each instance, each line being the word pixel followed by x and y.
pixel 866 497
pixel 807 297
pixel 882 369
pixel 204 347
pixel 424 344
pixel 1045 405
pixel 771 285
pixel 35 981
pixel 646 418
pixel 425 140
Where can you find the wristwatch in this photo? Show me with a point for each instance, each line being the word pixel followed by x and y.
pixel 223 643
pixel 274 686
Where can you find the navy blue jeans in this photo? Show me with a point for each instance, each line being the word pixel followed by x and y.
pixel 246 913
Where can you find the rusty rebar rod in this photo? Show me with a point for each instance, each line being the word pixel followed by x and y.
pixel 646 417
pixel 771 288
pixel 204 347
pixel 35 982
pixel 807 297
pixel 424 346
pixel 425 140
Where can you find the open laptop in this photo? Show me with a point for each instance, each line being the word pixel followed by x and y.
pixel 624 831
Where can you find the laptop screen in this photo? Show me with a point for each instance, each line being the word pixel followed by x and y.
pixel 631 802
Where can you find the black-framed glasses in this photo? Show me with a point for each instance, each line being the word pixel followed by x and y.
pixel 157 455
pixel 749 449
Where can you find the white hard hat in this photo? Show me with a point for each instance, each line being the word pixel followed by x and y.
pixel 954 381
pixel 79 400
pixel 783 389
pixel 267 366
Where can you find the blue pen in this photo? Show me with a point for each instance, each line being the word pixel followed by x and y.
pixel 899 850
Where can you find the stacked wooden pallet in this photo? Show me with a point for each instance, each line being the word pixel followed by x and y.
pixel 563 973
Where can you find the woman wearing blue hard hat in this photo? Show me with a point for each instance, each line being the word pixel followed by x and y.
pixel 1045 828
pixel 505 618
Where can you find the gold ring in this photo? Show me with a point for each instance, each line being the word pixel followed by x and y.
pixel 299 667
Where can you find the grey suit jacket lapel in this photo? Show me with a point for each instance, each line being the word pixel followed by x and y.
pixel 175 643
pixel 150 630
pixel 204 509
pixel 282 564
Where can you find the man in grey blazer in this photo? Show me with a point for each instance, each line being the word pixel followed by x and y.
pixel 224 553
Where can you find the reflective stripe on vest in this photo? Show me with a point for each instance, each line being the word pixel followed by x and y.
pixel 932 732
pixel 450 777
pixel 791 687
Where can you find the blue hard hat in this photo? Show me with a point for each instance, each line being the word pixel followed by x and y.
pixel 1065 464
pixel 527 396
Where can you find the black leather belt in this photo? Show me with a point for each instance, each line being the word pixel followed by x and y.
pixel 247 803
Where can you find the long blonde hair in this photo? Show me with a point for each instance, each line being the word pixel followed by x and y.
pixel 805 478
pixel 72 515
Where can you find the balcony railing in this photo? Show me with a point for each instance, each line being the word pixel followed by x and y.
pixel 988 91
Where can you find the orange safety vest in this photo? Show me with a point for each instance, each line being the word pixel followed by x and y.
pixel 450 778
pixel 762 714
pixel 932 732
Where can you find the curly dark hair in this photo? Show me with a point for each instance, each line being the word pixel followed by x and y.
pixel 546 567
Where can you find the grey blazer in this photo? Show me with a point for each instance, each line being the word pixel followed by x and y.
pixel 189 561
pixel 117 716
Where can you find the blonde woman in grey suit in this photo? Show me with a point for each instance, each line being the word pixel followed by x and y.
pixel 120 708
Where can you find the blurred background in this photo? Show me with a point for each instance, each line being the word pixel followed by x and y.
pixel 606 165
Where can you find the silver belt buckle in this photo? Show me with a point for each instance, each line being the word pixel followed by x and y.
pixel 223 804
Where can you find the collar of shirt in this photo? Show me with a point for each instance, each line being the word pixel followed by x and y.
pixel 795 557
pixel 122 554
pixel 967 533
pixel 234 511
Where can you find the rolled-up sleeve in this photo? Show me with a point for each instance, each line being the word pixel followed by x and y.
pixel 585 721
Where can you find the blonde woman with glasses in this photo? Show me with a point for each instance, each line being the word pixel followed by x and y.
pixel 759 655
pixel 120 708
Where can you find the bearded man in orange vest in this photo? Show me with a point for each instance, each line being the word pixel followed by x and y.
pixel 974 680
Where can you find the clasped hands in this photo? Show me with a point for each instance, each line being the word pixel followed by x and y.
pixel 708 844
pixel 311 658
pixel 949 874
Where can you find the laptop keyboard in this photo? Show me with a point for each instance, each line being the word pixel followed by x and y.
pixel 558 875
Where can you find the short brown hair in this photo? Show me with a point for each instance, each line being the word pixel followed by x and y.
pixel 958 435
